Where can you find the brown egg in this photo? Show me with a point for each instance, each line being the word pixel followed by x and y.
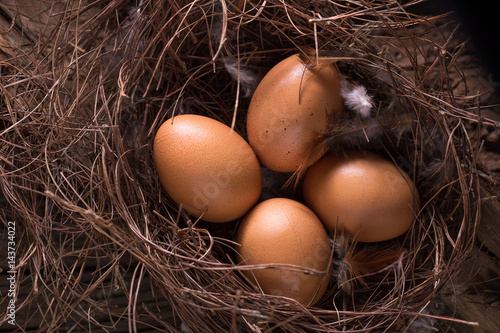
pixel 290 110
pixel 283 231
pixel 207 168
pixel 368 196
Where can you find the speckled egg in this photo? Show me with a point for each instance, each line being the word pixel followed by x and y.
pixel 290 111
pixel 280 232
pixel 363 194
pixel 208 168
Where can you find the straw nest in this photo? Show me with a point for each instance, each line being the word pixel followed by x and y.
pixel 80 104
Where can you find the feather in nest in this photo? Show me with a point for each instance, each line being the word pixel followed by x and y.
pixel 354 132
pixel 353 265
pixel 356 98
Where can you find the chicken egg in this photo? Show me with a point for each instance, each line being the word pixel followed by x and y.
pixel 290 111
pixel 207 167
pixel 282 231
pixel 363 194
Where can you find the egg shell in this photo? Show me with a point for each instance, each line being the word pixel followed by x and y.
pixel 363 194
pixel 283 231
pixel 290 111
pixel 208 168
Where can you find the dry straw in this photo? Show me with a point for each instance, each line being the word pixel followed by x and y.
pixel 81 101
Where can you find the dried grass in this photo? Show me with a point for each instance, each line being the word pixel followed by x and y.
pixel 79 109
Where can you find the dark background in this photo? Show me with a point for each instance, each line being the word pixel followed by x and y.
pixel 479 20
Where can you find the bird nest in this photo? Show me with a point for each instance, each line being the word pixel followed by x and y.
pixel 80 105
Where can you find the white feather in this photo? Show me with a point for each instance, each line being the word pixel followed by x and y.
pixel 356 98
pixel 248 79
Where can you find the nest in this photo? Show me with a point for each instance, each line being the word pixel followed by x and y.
pixel 80 105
